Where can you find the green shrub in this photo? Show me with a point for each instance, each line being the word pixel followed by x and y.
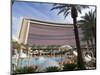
pixel 69 67
pixel 25 70
pixel 52 69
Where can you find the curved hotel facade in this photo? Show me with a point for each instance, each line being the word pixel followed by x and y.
pixel 46 33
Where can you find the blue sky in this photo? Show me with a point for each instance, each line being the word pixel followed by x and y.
pixel 40 11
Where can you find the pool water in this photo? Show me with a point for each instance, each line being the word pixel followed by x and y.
pixel 36 60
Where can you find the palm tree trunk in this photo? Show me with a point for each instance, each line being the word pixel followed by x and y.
pixel 80 58
pixel 94 34
pixel 88 44
pixel 91 40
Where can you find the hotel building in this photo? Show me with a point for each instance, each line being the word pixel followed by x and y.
pixel 46 33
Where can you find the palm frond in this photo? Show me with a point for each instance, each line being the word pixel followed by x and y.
pixel 62 10
pixel 67 9
pixel 58 7
pixel 87 25
pixel 66 14
pixel 78 9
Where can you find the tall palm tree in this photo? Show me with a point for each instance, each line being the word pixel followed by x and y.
pixel 88 26
pixel 73 9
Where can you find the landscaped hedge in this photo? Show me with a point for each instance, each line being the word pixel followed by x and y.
pixel 52 69
pixel 25 70
pixel 69 67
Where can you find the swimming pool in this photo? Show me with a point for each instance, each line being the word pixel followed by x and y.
pixel 36 60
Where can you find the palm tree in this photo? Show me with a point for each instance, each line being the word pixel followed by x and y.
pixel 17 46
pixel 50 48
pixel 33 47
pixel 88 26
pixel 73 9
pixel 26 46
pixel 39 47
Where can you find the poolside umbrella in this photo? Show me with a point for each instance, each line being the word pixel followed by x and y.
pixel 66 47
pixel 75 53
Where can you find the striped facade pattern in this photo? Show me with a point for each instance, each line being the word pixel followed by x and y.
pixel 46 33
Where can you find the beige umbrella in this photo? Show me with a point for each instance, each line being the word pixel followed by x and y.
pixel 65 47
